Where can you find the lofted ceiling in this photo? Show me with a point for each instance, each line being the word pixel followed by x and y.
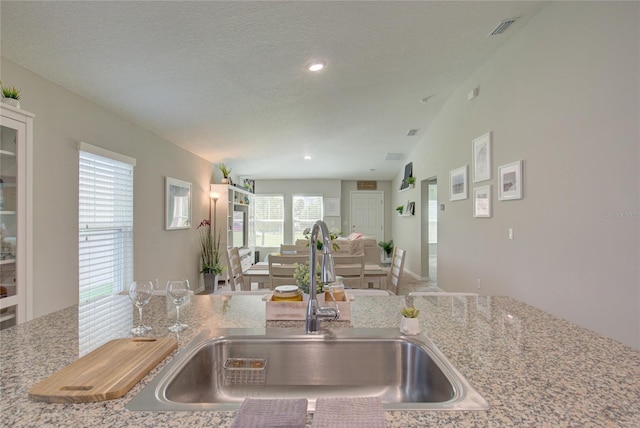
pixel 228 80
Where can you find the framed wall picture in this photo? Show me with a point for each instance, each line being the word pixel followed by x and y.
pixel 177 203
pixel 510 181
pixel 458 184
pixel 250 185
pixel 332 207
pixel 482 201
pixel 408 172
pixel 482 158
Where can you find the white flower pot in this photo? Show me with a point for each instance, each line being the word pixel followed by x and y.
pixel 410 326
pixel 12 102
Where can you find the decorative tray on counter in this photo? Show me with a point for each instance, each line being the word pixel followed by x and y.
pixel 297 311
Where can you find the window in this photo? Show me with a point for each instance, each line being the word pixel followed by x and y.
pixel 105 220
pixel 306 211
pixel 269 218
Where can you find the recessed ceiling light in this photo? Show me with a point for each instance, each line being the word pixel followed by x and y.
pixel 307 157
pixel 316 66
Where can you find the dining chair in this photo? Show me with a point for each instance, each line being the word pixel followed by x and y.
pixel 235 269
pixel 293 250
pixel 281 268
pixel 368 292
pixel 351 269
pixel 396 269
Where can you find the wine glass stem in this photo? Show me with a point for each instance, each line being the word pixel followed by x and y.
pixel 178 314
pixel 140 314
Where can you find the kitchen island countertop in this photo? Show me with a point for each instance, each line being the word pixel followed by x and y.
pixel 533 368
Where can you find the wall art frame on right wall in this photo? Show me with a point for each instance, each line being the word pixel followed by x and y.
pixel 510 183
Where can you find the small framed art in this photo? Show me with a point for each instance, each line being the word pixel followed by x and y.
pixel 458 184
pixel 482 158
pixel 510 181
pixel 482 201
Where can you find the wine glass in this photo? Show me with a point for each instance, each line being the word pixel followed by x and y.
pixel 178 291
pixel 140 293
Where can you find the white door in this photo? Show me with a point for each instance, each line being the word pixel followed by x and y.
pixel 367 213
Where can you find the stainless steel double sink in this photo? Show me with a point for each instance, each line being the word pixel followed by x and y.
pixel 220 368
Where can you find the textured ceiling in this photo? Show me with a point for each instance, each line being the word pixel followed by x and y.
pixel 227 80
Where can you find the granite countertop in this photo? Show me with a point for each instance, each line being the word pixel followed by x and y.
pixel 533 368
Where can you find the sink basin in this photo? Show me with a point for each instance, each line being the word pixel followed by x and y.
pixel 219 369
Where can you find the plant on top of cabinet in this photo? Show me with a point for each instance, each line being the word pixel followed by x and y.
pixel 225 172
pixel 10 95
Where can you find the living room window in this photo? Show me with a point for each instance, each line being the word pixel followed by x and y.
pixel 105 223
pixel 269 218
pixel 307 209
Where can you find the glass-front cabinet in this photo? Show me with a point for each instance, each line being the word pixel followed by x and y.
pixel 16 143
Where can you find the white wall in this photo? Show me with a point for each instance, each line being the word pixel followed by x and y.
pixel 63 119
pixel 563 96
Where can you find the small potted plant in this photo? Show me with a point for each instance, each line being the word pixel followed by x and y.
pixel 411 181
pixel 409 324
pixel 225 173
pixel 400 209
pixel 387 250
pixel 10 95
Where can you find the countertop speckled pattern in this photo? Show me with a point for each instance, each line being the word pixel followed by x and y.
pixel 534 369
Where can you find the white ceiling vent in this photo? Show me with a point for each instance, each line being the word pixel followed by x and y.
pixel 394 156
pixel 412 132
pixel 502 27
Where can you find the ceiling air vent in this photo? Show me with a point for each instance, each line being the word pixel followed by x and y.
pixel 394 156
pixel 412 132
pixel 502 27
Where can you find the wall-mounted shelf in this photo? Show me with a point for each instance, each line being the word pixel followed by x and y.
pixel 411 186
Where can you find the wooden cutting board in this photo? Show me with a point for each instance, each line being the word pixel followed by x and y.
pixel 106 373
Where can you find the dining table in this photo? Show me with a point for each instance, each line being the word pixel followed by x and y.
pixel 374 276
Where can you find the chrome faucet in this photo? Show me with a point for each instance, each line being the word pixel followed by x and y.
pixel 314 311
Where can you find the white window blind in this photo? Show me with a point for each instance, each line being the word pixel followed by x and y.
pixel 307 209
pixel 269 220
pixel 105 238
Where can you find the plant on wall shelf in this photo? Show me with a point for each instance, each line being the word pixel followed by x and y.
pixel 400 209
pixel 410 180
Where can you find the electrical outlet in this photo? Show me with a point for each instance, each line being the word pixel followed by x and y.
pixel 478 282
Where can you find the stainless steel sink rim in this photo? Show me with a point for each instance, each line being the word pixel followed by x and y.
pixel 153 396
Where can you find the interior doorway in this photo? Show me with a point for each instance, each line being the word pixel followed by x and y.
pixel 367 213
pixel 429 229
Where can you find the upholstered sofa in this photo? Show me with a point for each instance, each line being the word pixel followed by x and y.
pixel 354 244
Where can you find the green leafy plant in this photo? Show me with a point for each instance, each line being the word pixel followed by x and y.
pixel 225 170
pixel 209 249
pixel 301 274
pixel 10 92
pixel 332 236
pixel 400 209
pixel 410 180
pixel 410 312
pixel 387 247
